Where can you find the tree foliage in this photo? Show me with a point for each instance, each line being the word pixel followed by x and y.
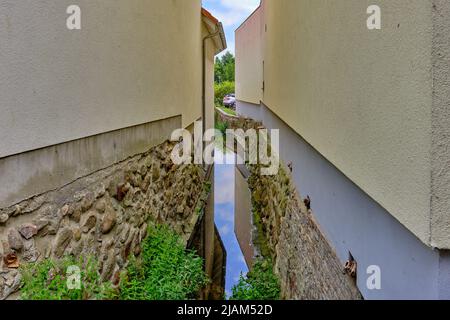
pixel 224 69
pixel 259 284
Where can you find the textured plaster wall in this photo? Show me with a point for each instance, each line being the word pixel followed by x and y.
pixel 249 61
pixel 440 151
pixel 371 102
pixel 133 62
pixel 32 173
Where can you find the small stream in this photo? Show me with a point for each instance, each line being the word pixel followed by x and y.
pixel 224 218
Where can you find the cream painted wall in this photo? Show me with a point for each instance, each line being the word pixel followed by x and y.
pixel 362 98
pixel 133 62
pixel 209 57
pixel 249 61
pixel 440 125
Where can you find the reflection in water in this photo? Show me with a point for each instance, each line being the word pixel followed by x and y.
pixel 224 216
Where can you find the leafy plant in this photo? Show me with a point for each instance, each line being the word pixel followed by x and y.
pixel 221 90
pixel 222 127
pixel 48 280
pixel 165 271
pixel 224 68
pixel 259 284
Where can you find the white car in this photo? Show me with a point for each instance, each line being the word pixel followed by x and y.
pixel 230 101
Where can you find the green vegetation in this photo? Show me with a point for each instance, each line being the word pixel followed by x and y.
pixel 224 69
pixel 166 271
pixel 221 90
pixel 228 111
pixel 259 284
pixel 223 78
pixel 199 210
pixel 259 238
pixel 222 127
pixel 48 280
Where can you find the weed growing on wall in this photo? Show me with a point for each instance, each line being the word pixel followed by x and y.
pixel 222 127
pixel 49 280
pixel 165 271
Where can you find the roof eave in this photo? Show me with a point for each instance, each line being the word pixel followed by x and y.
pixel 223 38
pixel 214 25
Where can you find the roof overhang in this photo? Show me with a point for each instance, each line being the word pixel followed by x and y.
pixel 213 25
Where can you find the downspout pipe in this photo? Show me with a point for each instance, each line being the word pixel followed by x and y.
pixel 209 168
pixel 213 35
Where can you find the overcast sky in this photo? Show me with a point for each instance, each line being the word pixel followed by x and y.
pixel 231 13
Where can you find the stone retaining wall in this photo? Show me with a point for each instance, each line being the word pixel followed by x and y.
pixel 235 122
pixel 104 214
pixel 307 265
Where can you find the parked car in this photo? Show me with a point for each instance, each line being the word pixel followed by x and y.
pixel 230 101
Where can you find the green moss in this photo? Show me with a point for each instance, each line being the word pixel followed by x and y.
pixel 260 238
pixel 263 190
pixel 207 187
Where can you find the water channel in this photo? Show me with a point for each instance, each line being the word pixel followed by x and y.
pixel 224 208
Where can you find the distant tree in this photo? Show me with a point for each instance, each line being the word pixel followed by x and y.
pixel 224 68
pixel 218 71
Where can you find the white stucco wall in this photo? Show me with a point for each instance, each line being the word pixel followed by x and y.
pixel 249 60
pixel 362 98
pixel 133 62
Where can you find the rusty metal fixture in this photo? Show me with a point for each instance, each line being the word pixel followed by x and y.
pixel 291 167
pixel 307 202
pixel 116 278
pixel 350 268
pixel 12 261
pixel 121 191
